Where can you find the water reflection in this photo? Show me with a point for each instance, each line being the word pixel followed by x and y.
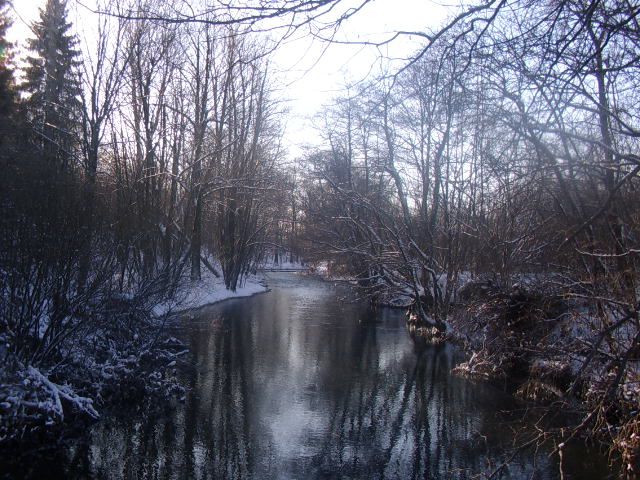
pixel 299 384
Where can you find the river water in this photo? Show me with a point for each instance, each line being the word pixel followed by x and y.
pixel 303 382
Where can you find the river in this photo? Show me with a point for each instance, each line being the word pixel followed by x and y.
pixel 303 382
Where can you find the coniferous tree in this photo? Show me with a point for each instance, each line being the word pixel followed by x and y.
pixel 53 84
pixel 7 91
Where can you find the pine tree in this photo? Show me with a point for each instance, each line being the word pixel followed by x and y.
pixel 53 84
pixel 7 91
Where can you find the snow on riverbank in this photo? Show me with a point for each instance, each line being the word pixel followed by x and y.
pixel 115 352
pixel 210 289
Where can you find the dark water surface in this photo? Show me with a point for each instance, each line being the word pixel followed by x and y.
pixel 302 383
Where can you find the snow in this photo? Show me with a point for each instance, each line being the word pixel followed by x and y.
pixel 283 266
pixel 108 360
pixel 271 265
pixel 322 269
pixel 208 290
pixel 58 392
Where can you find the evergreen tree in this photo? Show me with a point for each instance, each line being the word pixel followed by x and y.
pixel 7 92
pixel 53 84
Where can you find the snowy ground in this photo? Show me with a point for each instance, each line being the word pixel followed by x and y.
pixel 119 358
pixel 271 265
pixel 208 290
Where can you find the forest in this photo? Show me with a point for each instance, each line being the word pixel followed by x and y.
pixel 488 183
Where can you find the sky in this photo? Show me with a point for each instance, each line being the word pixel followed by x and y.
pixel 315 73
pixel 308 73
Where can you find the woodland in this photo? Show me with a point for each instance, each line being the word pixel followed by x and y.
pixel 488 182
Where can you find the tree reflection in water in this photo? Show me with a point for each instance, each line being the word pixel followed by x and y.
pixel 298 383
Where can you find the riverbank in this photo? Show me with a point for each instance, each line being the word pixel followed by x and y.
pixel 559 350
pixel 208 290
pixel 549 341
pixel 120 353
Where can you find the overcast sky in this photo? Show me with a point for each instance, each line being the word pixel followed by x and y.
pixel 308 72
pixel 313 77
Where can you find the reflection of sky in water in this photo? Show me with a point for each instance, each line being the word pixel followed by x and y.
pixel 297 383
